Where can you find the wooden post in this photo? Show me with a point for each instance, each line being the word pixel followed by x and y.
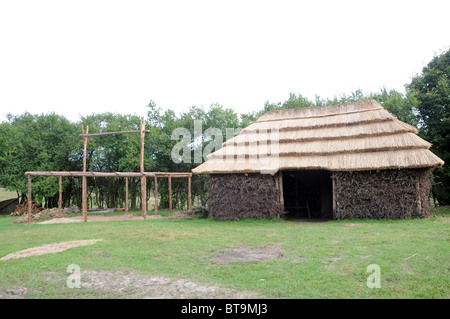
pixel 126 195
pixel 156 195
pixel 144 196
pixel 280 183
pixel 296 197
pixel 333 182
pixel 84 178
pixel 189 194
pixel 60 197
pixel 84 198
pixel 29 199
pixel 143 178
pixel 170 195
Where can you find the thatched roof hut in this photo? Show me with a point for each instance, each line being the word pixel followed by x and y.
pixel 332 141
pixel 350 137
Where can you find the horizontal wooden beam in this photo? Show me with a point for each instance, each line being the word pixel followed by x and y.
pixel 115 174
pixel 112 133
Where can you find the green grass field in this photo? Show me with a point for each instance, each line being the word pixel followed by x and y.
pixel 320 259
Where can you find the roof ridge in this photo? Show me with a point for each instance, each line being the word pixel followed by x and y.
pixel 322 115
pixel 324 109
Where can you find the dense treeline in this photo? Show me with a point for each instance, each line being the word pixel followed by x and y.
pixel 49 142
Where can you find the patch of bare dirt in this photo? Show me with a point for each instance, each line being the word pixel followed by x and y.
pixel 247 253
pixel 327 260
pixel 298 260
pixel 50 248
pixel 135 285
pixel 47 213
pixel 13 293
pixel 99 218
pixel 352 225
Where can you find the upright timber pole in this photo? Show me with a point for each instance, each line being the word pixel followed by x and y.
pixel 281 190
pixel 84 178
pixel 29 199
pixel 156 195
pixel 170 195
pixel 189 194
pixel 126 195
pixel 143 178
pixel 60 197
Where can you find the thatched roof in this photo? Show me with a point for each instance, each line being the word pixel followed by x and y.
pixel 346 137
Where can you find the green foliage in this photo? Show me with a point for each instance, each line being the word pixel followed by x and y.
pixel 34 143
pixel 402 106
pixel 432 91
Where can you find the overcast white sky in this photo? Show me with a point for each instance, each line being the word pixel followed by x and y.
pixel 82 57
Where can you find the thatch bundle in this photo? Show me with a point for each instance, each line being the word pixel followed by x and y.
pixel 390 194
pixel 236 196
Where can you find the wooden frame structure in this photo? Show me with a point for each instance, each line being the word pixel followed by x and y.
pixel 84 175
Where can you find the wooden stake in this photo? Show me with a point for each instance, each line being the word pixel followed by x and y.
pixel 144 196
pixel 60 197
pixel 143 178
pixel 333 183
pixel 84 197
pixel 281 190
pixel 170 195
pixel 142 145
pixel 85 145
pixel 189 194
pixel 84 178
pixel 29 199
pixel 126 195
pixel 156 195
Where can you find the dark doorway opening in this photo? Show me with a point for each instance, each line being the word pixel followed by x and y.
pixel 308 194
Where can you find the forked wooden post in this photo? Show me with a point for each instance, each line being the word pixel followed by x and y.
pixel 170 195
pixel 60 197
pixel 189 194
pixel 143 178
pixel 29 199
pixel 156 195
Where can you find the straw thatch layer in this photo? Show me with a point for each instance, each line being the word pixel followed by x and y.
pixel 389 194
pixel 327 133
pixel 310 112
pixel 349 137
pixel 405 158
pixel 341 119
pixel 236 196
pixel 334 146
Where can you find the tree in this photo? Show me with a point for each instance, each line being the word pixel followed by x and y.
pixel 35 143
pixel 432 91
pixel 403 106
